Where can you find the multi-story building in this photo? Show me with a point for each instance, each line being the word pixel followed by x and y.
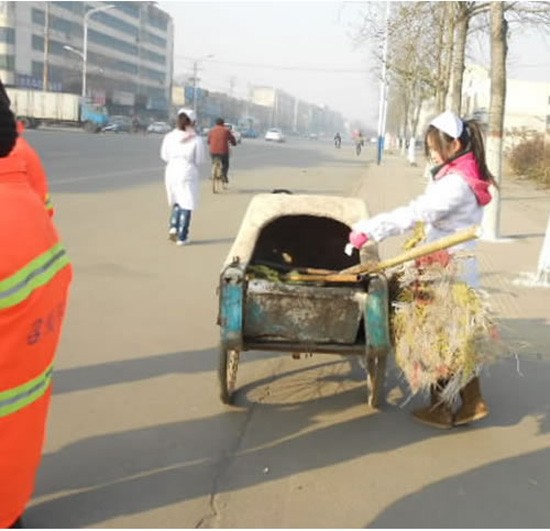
pixel 127 53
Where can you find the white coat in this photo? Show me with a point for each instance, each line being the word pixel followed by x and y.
pixel 183 152
pixel 447 206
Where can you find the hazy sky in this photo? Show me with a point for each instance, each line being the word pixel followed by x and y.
pixel 305 48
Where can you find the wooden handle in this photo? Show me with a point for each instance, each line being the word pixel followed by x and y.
pixel 465 235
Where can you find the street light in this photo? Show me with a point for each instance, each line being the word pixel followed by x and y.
pixel 84 55
pixel 195 69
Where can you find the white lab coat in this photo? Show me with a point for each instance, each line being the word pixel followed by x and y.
pixel 183 152
pixel 448 205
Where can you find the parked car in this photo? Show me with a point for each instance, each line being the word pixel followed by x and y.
pixel 118 124
pixel 274 135
pixel 235 132
pixel 159 127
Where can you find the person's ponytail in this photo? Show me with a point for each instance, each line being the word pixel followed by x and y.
pixel 471 127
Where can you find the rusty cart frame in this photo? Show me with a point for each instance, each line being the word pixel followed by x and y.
pixel 300 232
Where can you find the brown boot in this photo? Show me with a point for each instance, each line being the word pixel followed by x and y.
pixel 473 406
pixel 438 414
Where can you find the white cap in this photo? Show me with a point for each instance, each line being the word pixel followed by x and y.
pixel 190 113
pixel 449 123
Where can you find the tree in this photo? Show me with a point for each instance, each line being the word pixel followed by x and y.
pixel 499 48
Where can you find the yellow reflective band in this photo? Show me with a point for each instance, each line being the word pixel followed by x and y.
pixel 23 395
pixel 35 274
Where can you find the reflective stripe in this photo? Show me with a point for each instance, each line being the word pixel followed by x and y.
pixel 37 273
pixel 21 396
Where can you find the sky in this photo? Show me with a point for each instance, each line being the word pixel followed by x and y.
pixel 305 48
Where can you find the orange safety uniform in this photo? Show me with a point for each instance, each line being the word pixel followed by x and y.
pixel 38 178
pixel 35 274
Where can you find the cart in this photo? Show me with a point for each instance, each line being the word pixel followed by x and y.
pixel 301 232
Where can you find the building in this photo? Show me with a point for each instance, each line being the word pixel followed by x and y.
pixel 127 55
pixel 527 104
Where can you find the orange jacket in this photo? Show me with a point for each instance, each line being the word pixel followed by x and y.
pixel 35 275
pixel 219 138
pixel 38 178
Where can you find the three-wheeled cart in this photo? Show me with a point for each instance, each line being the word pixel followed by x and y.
pixel 301 233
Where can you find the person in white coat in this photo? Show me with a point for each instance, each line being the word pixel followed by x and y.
pixel 183 151
pixel 453 200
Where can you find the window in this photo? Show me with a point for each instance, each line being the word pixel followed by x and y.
pixel 37 69
pixel 38 43
pixel 38 17
pixel 7 35
pixel 153 57
pixel 7 62
pixel 75 7
pixel 115 23
pixel 153 39
pixel 153 74
pixel 111 42
pixel 128 8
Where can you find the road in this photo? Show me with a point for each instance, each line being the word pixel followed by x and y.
pixel 137 436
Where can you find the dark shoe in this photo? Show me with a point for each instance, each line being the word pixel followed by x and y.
pixel 440 416
pixel 473 406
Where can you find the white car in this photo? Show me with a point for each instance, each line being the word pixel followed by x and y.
pixel 235 132
pixel 274 135
pixel 159 127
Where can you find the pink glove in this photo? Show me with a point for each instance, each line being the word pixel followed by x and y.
pixel 358 239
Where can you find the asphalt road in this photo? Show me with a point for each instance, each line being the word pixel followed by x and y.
pixel 137 435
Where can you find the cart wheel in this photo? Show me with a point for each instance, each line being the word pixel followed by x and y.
pixel 227 374
pixel 376 373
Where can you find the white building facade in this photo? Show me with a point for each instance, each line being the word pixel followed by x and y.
pixel 129 51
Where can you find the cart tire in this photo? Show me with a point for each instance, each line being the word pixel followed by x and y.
pixel 376 373
pixel 227 374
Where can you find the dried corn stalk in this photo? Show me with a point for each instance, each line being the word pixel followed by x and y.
pixel 442 328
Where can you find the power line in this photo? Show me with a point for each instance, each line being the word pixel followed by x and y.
pixel 281 67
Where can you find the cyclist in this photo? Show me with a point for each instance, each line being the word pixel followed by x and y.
pixel 337 140
pixel 219 140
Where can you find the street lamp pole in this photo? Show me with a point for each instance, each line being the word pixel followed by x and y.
pixel 195 71
pixel 383 106
pixel 87 16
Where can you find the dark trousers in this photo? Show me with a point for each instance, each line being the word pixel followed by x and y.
pixel 224 157
pixel 180 220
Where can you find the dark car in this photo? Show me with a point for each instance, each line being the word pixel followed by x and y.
pixel 118 124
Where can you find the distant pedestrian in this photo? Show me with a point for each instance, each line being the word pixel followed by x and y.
pixel 35 275
pixel 183 151
pixel 219 140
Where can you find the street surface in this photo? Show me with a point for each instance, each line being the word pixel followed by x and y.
pixel 137 435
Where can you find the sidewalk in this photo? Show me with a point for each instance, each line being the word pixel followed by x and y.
pixel 524 311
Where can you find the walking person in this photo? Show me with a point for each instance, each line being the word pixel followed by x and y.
pixel 183 152
pixel 219 140
pixel 35 275
pixel 453 200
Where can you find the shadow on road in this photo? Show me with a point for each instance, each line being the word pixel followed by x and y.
pixel 486 497
pixel 138 470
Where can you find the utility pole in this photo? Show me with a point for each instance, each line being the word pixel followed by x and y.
pixel 382 110
pixel 195 69
pixel 46 47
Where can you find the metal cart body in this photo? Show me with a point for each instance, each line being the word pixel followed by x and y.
pixel 260 314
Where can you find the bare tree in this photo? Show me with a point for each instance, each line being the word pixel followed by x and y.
pixel 499 50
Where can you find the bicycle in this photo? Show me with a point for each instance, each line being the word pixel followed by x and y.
pixel 358 148
pixel 337 143
pixel 217 175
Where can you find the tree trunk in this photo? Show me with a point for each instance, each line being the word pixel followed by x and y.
pixel 459 53
pixel 499 49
